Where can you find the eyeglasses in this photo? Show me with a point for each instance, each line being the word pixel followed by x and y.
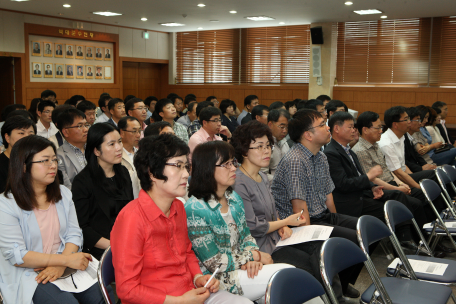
pixel 47 162
pixel 80 126
pixel 181 166
pixel 47 112
pixel 282 127
pixel 261 148
pixel 133 132
pixel 141 109
pixel 319 126
pixel 416 120
pixel 216 120
pixel 377 128
pixel 228 165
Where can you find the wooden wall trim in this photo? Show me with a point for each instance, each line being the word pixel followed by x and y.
pixel 146 60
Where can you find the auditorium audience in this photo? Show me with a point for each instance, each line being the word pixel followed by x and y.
pixel 128 97
pixel 196 125
pixel 421 143
pixel 190 98
pixel 217 226
pixel 58 139
pixel 136 108
pixel 116 107
pixel 214 100
pixel 88 108
pixel 212 125
pixel 276 105
pixel 49 95
pixel 7 110
pixel 250 102
pixel 165 110
pixel 103 105
pixel 130 132
pixel 152 254
pixel 317 105
pixel 442 106
pixel 102 188
pixel 40 230
pixel 291 107
pixel 324 98
pixel 159 128
pixel 150 102
pixel 334 106
pixel 75 100
pixel 179 105
pixel 443 157
pixel 74 127
pixel 45 127
pixel 259 113
pixel 190 115
pixel 33 108
pixel 228 108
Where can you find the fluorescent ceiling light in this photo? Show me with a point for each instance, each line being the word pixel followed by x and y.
pixel 260 18
pixel 19 0
pixel 200 28
pixel 233 12
pixel 143 19
pixel 171 24
pixel 348 3
pixel 201 5
pixel 368 12
pixel 66 5
pixel 107 14
pixel 384 17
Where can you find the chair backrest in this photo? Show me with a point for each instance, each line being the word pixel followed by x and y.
pixel 338 254
pixel 430 189
pixel 106 273
pixel 450 171
pixel 443 178
pixel 370 230
pixel 292 286
pixel 396 213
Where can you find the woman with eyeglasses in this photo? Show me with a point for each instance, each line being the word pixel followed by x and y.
pixel 102 188
pixel 217 225
pixel 152 255
pixel 40 236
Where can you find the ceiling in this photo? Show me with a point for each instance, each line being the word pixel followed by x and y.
pixel 291 12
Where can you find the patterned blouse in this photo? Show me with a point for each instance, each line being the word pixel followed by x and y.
pixel 211 239
pixel 181 132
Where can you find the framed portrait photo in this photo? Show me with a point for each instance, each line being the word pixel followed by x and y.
pixel 79 71
pixel 99 72
pixel 48 49
pixel 107 72
pixel 58 50
pixel 36 48
pixel 48 70
pixel 89 52
pixel 69 73
pixel 79 51
pixel 108 54
pixel 37 70
pixel 69 51
pixel 89 71
pixel 59 70
pixel 99 53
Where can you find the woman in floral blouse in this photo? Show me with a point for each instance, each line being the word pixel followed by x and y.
pixel 217 227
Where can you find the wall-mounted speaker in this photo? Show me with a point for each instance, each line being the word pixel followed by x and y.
pixel 316 60
pixel 316 34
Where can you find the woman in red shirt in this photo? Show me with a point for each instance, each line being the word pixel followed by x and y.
pixel 152 255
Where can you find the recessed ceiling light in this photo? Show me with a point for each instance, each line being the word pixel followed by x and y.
pixel 143 19
pixel 281 22
pixel 66 5
pixel 348 3
pixel 200 28
pixel 19 0
pixel 233 12
pixel 260 18
pixel 368 12
pixel 384 16
pixel 171 24
pixel 107 14
pixel 213 21
pixel 201 5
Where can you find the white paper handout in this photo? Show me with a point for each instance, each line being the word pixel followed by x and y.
pixel 423 266
pixel 82 279
pixel 447 224
pixel 307 234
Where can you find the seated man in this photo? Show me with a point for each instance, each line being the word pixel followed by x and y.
pixel 441 126
pixel 195 124
pixel 116 107
pixel 45 127
pixel 74 128
pixel 317 105
pixel 130 132
pixel 136 108
pixel 88 108
pixel 249 103
pixel 259 112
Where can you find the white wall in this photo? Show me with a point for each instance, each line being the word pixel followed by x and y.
pixel 131 43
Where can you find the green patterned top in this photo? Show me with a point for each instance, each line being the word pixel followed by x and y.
pixel 211 239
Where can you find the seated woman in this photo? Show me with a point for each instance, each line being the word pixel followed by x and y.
pixel 217 226
pixel 165 111
pixel 228 108
pixel 102 188
pixel 152 255
pixel 420 142
pixel 39 230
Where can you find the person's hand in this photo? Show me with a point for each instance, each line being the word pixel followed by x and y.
pixel 422 149
pixel 404 189
pixel 296 219
pixel 266 258
pixel 377 191
pixel 79 260
pixel 374 172
pixel 252 268
pixel 438 145
pixel 195 296
pixel 213 285
pixel 285 232
pixel 49 274
pixel 429 167
pixel 224 130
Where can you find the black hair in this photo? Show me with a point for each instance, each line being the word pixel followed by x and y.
pixel 10 108
pixel 209 98
pixel 171 96
pixel 130 104
pixel 439 104
pixel 245 134
pixel 423 111
pixel 313 103
pixel 258 111
pixel 205 157
pixel 301 122
pixel 190 95
pixel 189 99
pixel 48 93
pixel 14 123
pixel 301 105
pixel 226 103
pixel 45 103
pixel 413 112
pixel 86 105
pixel 75 98
pixel 433 113
pixel 207 113
pixel 159 108
pixel 149 99
pixel 393 115
pixel 275 114
pixel 67 117
pixel 153 152
pixel 290 104
pixel 248 99
pixel 339 119
pixel 156 127
pixel 128 97
pixel 191 106
pixel 365 120
pixel 123 122
pixel 333 105
pixel 102 100
pixel 324 98
pixel 58 110
pixel 112 103
pixel 22 113
pixel 276 105
pixel 203 105
pixel 33 107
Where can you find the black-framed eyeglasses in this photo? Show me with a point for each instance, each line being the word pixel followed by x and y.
pixel 378 128
pixel 133 132
pixel 47 162
pixel 261 148
pixel 80 126
pixel 234 163
pixel 416 120
pixel 216 120
pixel 181 166
pixel 319 126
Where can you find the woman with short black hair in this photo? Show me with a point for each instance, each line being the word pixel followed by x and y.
pixel 228 108
pixel 165 111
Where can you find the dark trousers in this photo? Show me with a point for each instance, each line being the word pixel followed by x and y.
pixel 50 294
pixel 439 202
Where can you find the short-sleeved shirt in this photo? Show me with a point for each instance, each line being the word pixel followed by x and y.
pixel 305 176
pixel 180 132
pixel 394 150
pixel 193 128
pixel 198 138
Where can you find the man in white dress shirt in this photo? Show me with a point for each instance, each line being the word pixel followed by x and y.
pixel 130 132
pixel 45 127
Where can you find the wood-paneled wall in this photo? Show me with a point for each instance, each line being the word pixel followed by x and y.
pixel 379 99
pixel 142 79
